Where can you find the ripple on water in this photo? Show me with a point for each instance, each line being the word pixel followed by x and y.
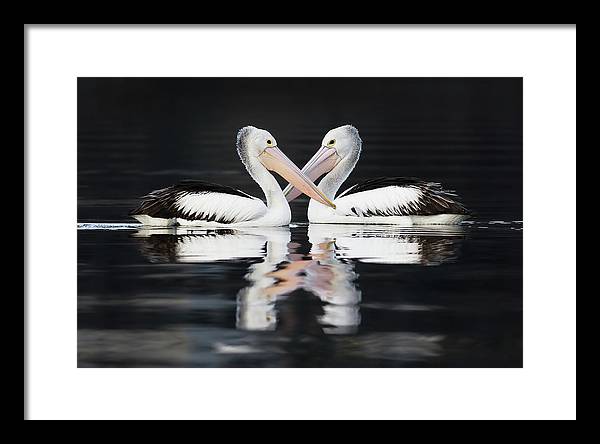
pixel 108 226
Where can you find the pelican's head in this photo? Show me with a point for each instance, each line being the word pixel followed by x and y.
pixel 345 140
pixel 341 144
pixel 258 147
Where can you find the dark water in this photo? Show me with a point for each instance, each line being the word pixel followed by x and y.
pixel 307 295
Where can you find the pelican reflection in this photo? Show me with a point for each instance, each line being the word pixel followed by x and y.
pixel 389 244
pixel 268 280
pixel 325 268
pixel 190 245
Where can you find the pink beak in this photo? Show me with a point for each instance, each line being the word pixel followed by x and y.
pixel 324 160
pixel 274 160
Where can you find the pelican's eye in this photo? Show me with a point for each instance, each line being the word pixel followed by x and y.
pixel 331 142
pixel 269 142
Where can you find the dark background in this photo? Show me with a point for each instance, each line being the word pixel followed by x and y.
pixel 139 134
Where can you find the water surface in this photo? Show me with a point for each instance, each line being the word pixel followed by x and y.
pixel 307 296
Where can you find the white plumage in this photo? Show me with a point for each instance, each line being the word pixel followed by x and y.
pixel 386 200
pixel 219 206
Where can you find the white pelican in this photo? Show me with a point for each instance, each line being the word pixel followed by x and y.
pixel 197 203
pixel 384 200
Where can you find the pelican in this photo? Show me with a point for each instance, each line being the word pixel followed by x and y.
pixel 197 203
pixel 385 200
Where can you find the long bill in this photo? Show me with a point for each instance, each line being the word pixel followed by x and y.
pixel 324 160
pixel 274 160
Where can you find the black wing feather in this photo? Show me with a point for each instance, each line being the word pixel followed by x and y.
pixel 162 203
